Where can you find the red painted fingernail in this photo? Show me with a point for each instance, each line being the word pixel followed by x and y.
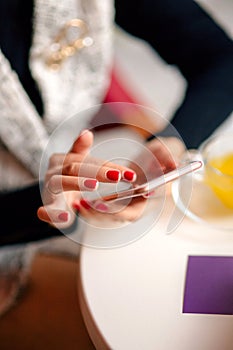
pixel 91 184
pixel 149 194
pixel 113 175
pixel 76 206
pixel 129 175
pixel 101 207
pixel 63 216
pixel 85 204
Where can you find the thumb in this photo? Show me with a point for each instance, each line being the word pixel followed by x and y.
pixel 83 143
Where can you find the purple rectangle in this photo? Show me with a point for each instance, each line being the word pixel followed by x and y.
pixel 209 285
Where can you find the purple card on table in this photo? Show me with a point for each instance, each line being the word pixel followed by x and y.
pixel 209 285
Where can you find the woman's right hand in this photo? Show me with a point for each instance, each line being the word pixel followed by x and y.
pixel 71 173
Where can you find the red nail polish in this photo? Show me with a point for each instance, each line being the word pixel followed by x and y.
pixel 63 217
pixel 85 204
pixel 101 207
pixel 113 175
pixel 90 184
pixel 129 175
pixel 76 206
pixel 149 194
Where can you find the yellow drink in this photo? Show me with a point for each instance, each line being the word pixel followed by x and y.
pixel 219 176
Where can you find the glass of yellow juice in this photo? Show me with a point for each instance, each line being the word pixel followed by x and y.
pixel 217 154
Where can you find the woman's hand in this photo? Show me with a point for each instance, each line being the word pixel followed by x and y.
pixel 70 174
pixel 158 157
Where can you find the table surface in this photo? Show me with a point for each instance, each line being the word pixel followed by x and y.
pixel 132 296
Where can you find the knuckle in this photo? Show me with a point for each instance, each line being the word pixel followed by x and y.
pixel 52 160
pixel 70 169
pixel 54 181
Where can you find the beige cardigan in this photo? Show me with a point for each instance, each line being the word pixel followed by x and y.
pixel 79 84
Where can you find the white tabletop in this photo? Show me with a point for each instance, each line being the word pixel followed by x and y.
pixel 132 296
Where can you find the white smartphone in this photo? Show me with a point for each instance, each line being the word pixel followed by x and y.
pixel 149 186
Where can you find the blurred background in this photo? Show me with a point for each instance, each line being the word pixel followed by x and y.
pixel 158 85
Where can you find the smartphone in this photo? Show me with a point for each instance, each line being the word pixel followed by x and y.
pixel 151 185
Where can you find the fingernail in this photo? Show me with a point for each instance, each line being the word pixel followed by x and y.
pixel 149 194
pixel 76 206
pixel 101 207
pixel 129 175
pixel 91 184
pixel 63 216
pixel 113 175
pixel 85 204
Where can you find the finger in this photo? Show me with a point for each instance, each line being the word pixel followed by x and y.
pixel 83 143
pixel 150 194
pixel 53 216
pixel 133 211
pixel 75 165
pixel 162 155
pixel 56 160
pixel 60 183
pixel 86 209
pixel 116 212
pixel 101 172
pixel 80 148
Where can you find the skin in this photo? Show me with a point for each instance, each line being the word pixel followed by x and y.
pixel 67 173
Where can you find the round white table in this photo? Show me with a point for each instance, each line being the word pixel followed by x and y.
pixel 132 296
